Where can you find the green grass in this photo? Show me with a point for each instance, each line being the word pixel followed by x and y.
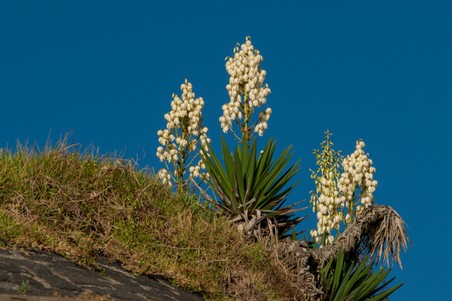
pixel 83 205
pixel 24 287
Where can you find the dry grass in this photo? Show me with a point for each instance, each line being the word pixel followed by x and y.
pixel 82 205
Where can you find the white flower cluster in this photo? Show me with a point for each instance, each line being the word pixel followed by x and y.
pixel 263 118
pixel 326 200
pixel 183 131
pixel 246 88
pixel 335 199
pixel 358 172
pixel 327 205
pixel 197 170
pixel 165 177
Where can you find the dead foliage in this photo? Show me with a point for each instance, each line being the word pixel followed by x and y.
pixel 378 231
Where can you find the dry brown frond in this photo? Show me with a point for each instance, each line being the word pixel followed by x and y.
pixel 389 238
pixel 378 231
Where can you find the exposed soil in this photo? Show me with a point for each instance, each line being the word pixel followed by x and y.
pixel 27 275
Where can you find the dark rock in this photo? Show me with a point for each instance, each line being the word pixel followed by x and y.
pixel 47 274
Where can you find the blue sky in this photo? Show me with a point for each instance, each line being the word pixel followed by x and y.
pixel 376 70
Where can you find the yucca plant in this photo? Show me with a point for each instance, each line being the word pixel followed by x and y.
pixel 347 280
pixel 252 188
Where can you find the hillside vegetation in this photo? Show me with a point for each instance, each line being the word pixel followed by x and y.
pixel 81 206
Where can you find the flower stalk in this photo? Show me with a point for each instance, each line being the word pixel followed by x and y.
pixel 247 92
pixel 183 135
pixel 344 187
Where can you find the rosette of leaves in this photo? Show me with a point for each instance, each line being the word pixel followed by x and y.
pixel 252 188
pixel 347 280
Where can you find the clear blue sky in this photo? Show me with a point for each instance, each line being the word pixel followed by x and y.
pixel 377 70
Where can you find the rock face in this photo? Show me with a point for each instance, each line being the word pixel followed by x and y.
pixel 46 274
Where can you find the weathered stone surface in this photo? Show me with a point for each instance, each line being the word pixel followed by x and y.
pixel 28 275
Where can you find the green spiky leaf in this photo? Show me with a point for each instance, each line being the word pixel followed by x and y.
pixel 249 184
